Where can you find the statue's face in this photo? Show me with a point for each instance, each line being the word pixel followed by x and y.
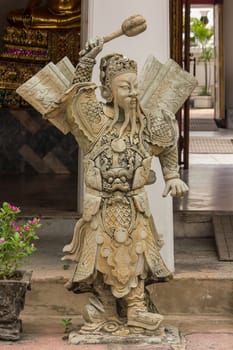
pixel 125 90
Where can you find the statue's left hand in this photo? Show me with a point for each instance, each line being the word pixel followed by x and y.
pixel 177 187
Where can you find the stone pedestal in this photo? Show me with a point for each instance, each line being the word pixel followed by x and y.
pixel 162 336
pixel 12 299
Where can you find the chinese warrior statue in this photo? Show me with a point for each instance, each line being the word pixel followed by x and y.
pixel 115 243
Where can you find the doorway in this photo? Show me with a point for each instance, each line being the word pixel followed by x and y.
pixel 202 63
pixel 197 45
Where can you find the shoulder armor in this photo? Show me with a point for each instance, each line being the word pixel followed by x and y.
pixel 87 113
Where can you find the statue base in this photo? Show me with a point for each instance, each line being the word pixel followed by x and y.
pixel 127 335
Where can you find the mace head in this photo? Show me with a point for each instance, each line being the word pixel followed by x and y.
pixel 134 25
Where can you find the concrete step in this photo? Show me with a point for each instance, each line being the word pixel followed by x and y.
pixel 202 285
pixel 223 231
pixel 194 293
pixel 201 224
pixel 191 224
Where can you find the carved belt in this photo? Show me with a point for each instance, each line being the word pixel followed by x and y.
pixel 104 194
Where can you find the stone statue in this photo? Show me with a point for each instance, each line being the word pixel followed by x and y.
pixel 115 245
pixel 51 14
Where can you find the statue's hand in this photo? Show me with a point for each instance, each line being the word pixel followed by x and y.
pixel 92 48
pixel 177 187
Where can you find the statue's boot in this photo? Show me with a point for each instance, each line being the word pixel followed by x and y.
pixel 137 313
pixel 102 305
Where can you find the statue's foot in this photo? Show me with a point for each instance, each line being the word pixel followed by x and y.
pixel 99 319
pixel 144 319
pixel 96 312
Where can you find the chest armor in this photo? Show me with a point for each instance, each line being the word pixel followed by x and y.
pixel 118 164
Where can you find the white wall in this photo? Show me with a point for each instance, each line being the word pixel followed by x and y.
pixel 105 17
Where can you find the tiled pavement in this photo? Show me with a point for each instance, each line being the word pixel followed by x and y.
pixel 209 341
pixel 196 334
pixel 195 341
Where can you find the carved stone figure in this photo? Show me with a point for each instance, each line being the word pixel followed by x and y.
pixel 116 245
pixel 47 14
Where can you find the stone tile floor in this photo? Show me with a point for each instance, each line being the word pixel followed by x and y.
pixel 209 178
pixel 195 336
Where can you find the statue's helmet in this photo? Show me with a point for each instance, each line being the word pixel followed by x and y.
pixel 111 66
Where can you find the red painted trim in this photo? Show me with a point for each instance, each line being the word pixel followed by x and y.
pixel 202 2
pixel 205 2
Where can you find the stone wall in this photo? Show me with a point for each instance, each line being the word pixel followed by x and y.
pixel 29 145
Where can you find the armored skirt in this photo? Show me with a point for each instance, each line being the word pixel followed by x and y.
pixel 117 237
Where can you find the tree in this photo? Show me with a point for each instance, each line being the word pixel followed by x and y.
pixel 202 36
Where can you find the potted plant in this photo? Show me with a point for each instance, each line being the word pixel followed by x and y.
pixel 202 36
pixel 16 243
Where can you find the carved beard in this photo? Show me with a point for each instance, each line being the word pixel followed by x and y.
pixel 131 115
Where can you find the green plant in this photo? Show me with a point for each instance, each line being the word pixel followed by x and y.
pixel 201 35
pixel 66 267
pixel 16 241
pixel 67 323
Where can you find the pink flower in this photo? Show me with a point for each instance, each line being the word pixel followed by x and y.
pixel 27 228
pixel 2 240
pixel 12 207
pixel 17 228
pixel 34 221
pixel 12 223
pixel 32 245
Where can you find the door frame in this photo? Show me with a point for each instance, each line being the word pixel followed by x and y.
pixel 180 52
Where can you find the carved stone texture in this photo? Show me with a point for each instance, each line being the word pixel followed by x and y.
pixel 12 299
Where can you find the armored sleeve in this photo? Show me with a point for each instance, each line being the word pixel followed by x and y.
pixel 169 162
pixel 163 139
pixel 83 72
